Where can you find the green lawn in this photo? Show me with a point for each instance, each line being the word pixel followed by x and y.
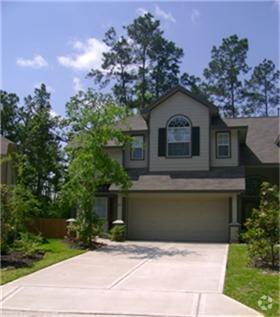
pixel 56 251
pixel 247 284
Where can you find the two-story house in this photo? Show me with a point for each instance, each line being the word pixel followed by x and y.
pixel 189 169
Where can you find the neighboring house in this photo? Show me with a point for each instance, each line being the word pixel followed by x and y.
pixel 189 169
pixel 8 175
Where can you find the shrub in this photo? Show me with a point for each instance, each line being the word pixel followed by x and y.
pixel 28 243
pixel 85 231
pixel 117 233
pixel 18 205
pixel 262 227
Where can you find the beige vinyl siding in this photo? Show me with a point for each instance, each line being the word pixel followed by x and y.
pixel 199 116
pixel 128 163
pixel 233 159
pixel 178 217
pixel 116 153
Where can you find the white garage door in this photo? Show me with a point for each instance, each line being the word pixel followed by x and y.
pixel 178 217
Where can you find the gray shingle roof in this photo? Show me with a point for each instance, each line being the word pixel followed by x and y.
pixel 133 123
pixel 152 183
pixel 261 147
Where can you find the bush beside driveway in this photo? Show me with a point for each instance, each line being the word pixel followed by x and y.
pixel 248 285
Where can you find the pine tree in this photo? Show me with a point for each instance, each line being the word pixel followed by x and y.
pixel 262 91
pixel 224 72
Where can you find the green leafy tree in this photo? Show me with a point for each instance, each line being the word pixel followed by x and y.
pixel 18 205
pixel 92 124
pixel 224 72
pixel 262 91
pixel 263 231
pixel 39 155
pixel 9 115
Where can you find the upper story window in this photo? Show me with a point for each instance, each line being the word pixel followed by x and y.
pixel 137 148
pixel 178 136
pixel 223 144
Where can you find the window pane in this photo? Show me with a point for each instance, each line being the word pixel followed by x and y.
pixel 137 141
pixel 179 121
pixel 137 153
pixel 178 134
pixel 101 207
pixel 223 150
pixel 137 146
pixel 178 149
pixel 223 138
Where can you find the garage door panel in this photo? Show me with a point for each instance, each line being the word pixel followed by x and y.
pixel 178 218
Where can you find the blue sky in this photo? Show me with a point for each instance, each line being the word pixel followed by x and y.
pixel 58 42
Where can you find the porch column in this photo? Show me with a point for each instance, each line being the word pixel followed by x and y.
pixel 234 226
pixel 120 207
pixel 234 209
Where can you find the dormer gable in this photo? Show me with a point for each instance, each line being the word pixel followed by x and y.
pixel 179 89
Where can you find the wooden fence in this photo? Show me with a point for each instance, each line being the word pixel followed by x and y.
pixel 49 227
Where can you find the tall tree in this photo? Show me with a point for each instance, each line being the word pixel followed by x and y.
pixel 166 58
pixel 39 145
pixel 143 32
pixel 141 64
pixel 117 66
pixel 262 89
pixel 224 74
pixel 9 115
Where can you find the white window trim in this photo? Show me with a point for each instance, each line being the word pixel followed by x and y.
pixel 132 158
pixel 189 142
pixel 223 144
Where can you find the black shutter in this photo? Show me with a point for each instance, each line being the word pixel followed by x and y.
pixel 195 141
pixel 161 141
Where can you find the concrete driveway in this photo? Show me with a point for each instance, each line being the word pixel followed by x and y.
pixel 129 279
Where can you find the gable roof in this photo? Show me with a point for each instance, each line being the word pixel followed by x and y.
pixel 262 133
pixel 185 91
pixel 133 123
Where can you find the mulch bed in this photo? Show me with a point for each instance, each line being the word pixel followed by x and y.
pixel 74 244
pixel 16 259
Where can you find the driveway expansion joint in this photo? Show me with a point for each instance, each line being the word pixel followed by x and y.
pixel 132 270
pixel 10 294
pixel 198 305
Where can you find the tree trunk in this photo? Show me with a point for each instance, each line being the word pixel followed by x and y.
pixel 143 78
pixel 266 101
pixel 232 100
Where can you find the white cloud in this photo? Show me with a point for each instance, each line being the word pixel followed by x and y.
pixel 141 11
pixel 195 15
pixel 77 85
pixel 165 15
pixel 54 114
pixel 88 55
pixel 49 88
pixel 37 61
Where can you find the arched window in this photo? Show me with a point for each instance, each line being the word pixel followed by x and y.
pixel 178 136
